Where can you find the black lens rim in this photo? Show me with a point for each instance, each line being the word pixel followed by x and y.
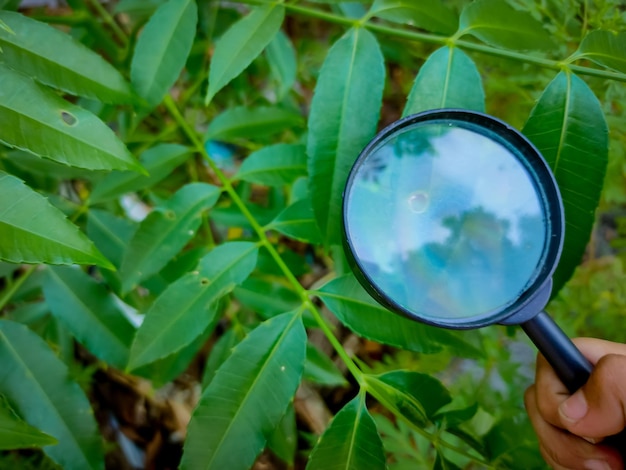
pixel 543 180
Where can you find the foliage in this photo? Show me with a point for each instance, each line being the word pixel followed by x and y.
pixel 196 216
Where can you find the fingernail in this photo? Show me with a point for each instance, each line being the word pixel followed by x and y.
pixel 574 408
pixel 596 465
pixel 591 440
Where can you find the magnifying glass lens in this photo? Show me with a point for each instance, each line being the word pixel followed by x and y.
pixel 446 219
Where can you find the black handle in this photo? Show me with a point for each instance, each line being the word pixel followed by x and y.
pixel 567 361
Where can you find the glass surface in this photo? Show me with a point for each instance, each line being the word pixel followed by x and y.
pixel 446 222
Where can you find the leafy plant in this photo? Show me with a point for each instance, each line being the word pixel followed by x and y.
pixel 194 217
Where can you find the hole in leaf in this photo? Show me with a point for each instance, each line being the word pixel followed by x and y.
pixel 68 118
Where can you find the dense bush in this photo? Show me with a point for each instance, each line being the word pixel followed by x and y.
pixel 200 226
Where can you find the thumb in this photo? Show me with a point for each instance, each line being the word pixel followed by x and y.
pixel 597 409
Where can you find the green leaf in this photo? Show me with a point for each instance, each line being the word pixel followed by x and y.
pixel 36 165
pixel 182 263
pixel 5 27
pixel 241 44
pixel 159 162
pixel 349 9
pixel 284 440
pixel 167 369
pixel 16 434
pixel 247 397
pixel 605 48
pixel 343 118
pixel 267 297
pixel 441 463
pixel 34 231
pixel 162 49
pixel 351 441
pixel 296 263
pixel 220 351
pixel 568 127
pixel 403 444
pixel 448 79
pixel 9 4
pixel 137 7
pixel 298 221
pixel 37 383
pixel 432 16
pixel 514 444
pixel 452 418
pixel 281 57
pixel 471 440
pixel 414 395
pixel 31 314
pixel 188 306
pixel 275 165
pixel 35 119
pixel 231 216
pixel 7 269
pixel 320 369
pixel 249 123
pixel 346 298
pixel 499 24
pixel 110 234
pixel 56 59
pixel 166 230
pixel 90 313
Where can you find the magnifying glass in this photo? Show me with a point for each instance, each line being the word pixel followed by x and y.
pixel 454 219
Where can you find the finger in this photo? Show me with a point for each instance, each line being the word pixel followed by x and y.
pixel 553 392
pixel 593 348
pixel 597 410
pixel 562 450
pixel 550 392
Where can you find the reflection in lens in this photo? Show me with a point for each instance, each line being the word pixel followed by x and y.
pixel 418 201
pixel 446 221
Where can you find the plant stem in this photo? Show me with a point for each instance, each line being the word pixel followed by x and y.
pixel 435 438
pixel 302 292
pixel 80 211
pixel 13 288
pixel 75 19
pixel 110 21
pixel 230 190
pixel 442 40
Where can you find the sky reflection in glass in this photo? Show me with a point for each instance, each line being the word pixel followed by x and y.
pixel 447 222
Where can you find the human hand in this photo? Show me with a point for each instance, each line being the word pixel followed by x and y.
pixel 568 426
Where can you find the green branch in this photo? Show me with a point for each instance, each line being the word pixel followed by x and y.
pixel 435 438
pixel 398 32
pixel 110 21
pixel 230 190
pixel 8 294
pixel 301 291
pixel 76 19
